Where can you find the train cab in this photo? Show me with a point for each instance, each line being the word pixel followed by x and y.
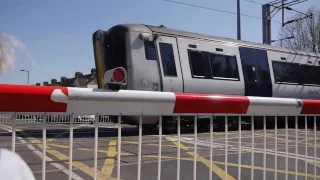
pixel 132 49
pixel 126 58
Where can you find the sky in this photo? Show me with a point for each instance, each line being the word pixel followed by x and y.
pixel 58 34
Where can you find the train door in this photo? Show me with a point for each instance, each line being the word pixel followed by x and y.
pixel 169 62
pixel 256 72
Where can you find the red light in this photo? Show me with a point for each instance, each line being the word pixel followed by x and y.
pixel 118 75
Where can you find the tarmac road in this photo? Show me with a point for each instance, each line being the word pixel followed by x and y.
pixel 29 146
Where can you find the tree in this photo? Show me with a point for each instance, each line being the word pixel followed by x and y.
pixel 306 32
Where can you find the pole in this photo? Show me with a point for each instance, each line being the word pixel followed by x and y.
pixel 23 70
pixel 28 77
pixel 266 24
pixel 282 7
pixel 318 36
pixel 238 21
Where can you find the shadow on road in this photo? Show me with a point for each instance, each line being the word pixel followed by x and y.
pixel 89 132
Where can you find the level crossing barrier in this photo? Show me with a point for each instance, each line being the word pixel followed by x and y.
pixel 23 105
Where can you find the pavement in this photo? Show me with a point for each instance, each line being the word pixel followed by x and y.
pixel 29 145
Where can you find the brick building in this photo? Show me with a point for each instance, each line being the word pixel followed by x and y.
pixel 79 80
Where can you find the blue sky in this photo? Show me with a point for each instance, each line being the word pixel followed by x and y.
pixel 58 34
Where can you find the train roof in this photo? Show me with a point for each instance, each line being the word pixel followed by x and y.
pixel 175 32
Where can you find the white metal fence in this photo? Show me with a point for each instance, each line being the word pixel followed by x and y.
pixel 282 131
pixel 292 137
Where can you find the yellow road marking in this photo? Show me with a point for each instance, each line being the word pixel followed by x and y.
pixel 313 163
pixel 6 127
pixel 87 149
pixel 172 146
pixel 213 133
pixel 127 142
pixel 174 141
pixel 151 144
pixel 55 145
pixel 59 135
pixel 168 157
pixel 38 143
pixel 50 139
pixel 267 169
pixel 220 172
pixel 81 166
pixel 199 158
pixel 103 151
pixel 109 162
pixel 215 168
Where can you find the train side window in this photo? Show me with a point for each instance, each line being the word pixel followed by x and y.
pixel 315 74
pixel 278 71
pixel 167 59
pixel 196 64
pixel 311 75
pixel 150 50
pixel 288 72
pixel 263 66
pixel 223 66
pixel 248 65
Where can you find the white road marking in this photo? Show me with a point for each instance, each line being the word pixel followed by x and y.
pixel 246 148
pixel 199 142
pixel 40 155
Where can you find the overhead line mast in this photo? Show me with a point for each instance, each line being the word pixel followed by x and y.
pixel 278 5
pixel 238 21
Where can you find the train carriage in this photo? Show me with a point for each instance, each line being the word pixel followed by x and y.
pixel 152 58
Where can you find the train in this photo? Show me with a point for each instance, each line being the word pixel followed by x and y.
pixel 157 58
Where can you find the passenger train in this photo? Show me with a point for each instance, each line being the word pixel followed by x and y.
pixel 156 58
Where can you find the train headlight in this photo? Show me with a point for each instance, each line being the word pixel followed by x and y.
pixel 146 36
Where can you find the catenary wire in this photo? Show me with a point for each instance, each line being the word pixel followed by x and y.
pixel 217 10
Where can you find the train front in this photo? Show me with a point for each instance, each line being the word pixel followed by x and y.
pixel 121 63
pixel 110 56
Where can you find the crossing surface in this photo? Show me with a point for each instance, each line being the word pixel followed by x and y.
pixel 29 146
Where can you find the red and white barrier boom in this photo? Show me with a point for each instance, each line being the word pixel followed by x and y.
pixel 20 98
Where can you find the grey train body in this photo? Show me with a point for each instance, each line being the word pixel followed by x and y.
pixel 162 59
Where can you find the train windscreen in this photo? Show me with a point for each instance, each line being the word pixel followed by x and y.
pixel 109 52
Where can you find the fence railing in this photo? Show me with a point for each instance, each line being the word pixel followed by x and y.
pixel 281 130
